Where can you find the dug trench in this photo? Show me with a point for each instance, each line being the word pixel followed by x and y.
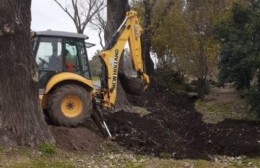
pixel 173 128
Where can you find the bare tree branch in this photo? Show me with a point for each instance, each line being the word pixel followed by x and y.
pixel 82 11
pixel 99 24
pixel 64 9
pixel 96 9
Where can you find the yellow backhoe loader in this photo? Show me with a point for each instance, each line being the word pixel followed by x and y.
pixel 65 86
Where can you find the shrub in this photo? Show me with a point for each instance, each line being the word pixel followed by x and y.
pixel 47 149
pixel 253 98
pixel 172 79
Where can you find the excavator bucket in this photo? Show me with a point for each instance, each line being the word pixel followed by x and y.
pixel 132 85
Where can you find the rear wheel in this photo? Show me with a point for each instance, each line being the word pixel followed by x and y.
pixel 69 105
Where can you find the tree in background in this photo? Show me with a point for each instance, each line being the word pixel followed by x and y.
pixel 240 48
pixel 185 41
pixel 152 13
pixel 95 65
pixel 99 24
pixel 81 12
pixel 21 117
pixel 201 16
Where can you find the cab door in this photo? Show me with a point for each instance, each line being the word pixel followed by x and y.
pixel 48 58
pixel 75 57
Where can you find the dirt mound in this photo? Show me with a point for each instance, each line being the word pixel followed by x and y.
pixel 83 138
pixel 172 129
pixel 175 129
pixel 234 137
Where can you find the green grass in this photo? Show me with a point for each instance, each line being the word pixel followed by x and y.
pixel 227 162
pixel 32 158
pixel 214 111
pixel 250 162
pixel 212 107
pixel 45 162
pixel 202 164
pixel 47 149
pixel 131 164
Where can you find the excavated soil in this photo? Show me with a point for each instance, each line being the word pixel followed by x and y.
pixel 82 138
pixel 172 129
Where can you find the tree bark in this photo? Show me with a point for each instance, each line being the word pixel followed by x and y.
pixel 21 118
pixel 150 29
pixel 116 12
pixel 147 38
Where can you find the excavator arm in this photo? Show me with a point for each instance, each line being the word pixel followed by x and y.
pixel 129 31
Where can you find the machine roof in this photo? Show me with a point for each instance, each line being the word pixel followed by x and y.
pixel 61 34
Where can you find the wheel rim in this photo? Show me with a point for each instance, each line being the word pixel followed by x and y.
pixel 71 106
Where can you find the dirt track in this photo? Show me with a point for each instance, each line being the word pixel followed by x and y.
pixel 172 129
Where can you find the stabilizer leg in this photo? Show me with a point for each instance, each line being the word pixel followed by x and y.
pixel 99 119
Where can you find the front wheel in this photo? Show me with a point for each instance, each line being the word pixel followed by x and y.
pixel 69 105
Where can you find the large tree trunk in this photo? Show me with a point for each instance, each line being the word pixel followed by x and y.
pixel 21 118
pixel 116 12
pixel 147 38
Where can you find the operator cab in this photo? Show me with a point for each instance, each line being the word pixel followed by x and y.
pixel 58 52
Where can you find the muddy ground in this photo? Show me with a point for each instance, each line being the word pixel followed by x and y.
pixel 172 129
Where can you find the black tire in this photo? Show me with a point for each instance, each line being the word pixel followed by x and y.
pixel 58 116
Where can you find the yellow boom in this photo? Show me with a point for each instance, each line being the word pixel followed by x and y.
pixel 130 31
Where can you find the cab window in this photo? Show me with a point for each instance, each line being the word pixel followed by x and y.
pixel 48 56
pixel 75 58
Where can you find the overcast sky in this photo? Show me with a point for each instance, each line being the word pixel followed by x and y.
pixel 46 14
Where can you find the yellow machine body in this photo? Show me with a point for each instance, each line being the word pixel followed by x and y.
pixel 73 107
pixel 130 31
